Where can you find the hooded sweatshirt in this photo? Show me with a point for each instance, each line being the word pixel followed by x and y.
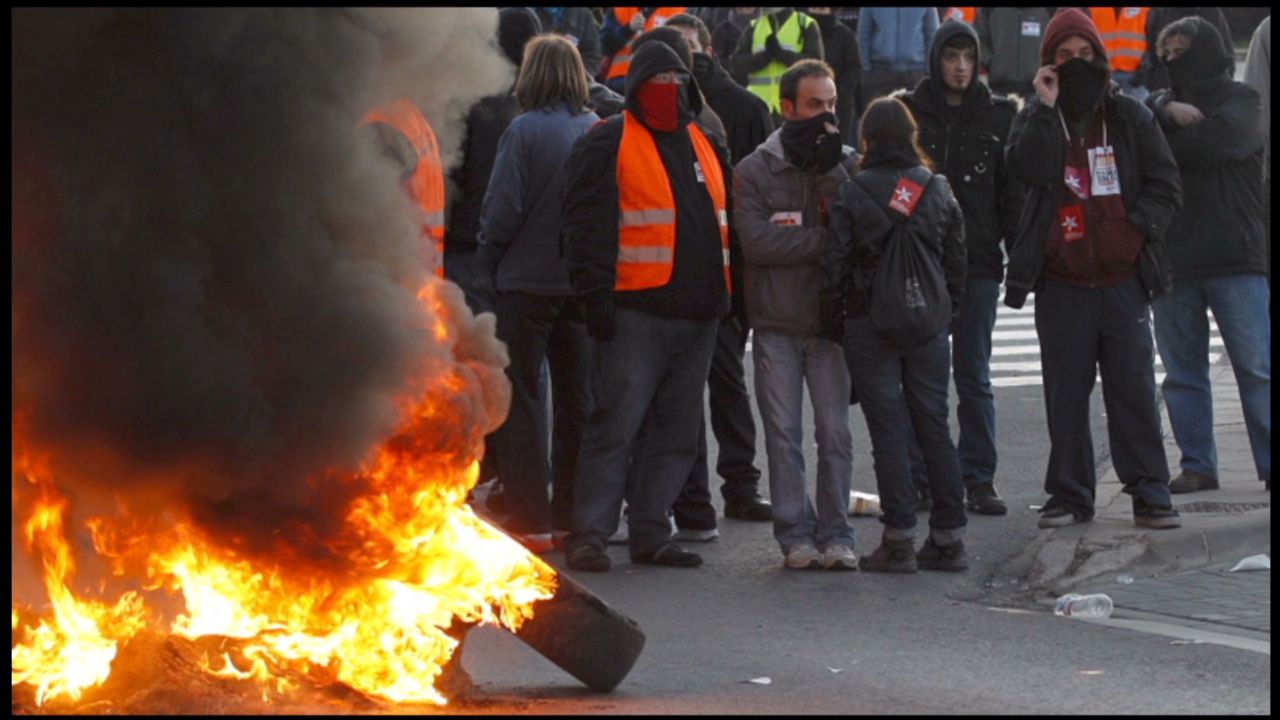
pixel 966 143
pixel 1220 228
pixel 590 217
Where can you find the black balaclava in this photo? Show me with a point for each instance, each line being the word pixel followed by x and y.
pixel 703 65
pixel 1081 85
pixel 1204 63
pixel 809 146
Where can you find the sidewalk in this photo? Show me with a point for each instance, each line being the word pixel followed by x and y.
pixel 1218 526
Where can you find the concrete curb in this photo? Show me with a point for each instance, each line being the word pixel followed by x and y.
pixel 1112 544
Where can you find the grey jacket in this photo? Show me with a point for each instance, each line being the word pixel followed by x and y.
pixel 1257 72
pixel 783 277
pixel 519 235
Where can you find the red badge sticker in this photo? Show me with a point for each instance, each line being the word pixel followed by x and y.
pixel 1077 181
pixel 905 196
pixel 1071 220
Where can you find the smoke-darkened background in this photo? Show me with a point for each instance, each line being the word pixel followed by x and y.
pixel 214 271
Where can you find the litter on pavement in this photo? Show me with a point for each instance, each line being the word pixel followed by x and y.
pixel 1253 562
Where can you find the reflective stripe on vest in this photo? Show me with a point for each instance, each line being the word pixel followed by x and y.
pixel 622 59
pixel 426 186
pixel 647 207
pixel 1124 37
pixel 765 83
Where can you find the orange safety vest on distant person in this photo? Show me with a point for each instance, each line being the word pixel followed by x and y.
pixel 647 207
pixel 963 14
pixel 426 185
pixel 1123 37
pixel 622 59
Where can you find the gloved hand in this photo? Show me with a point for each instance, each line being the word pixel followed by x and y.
pixel 772 46
pixel 599 311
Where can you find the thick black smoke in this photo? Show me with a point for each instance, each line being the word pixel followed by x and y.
pixel 214 271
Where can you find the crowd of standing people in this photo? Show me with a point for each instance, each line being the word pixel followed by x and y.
pixel 850 187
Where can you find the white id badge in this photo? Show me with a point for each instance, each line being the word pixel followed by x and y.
pixel 784 218
pixel 1104 176
pixel 1031 28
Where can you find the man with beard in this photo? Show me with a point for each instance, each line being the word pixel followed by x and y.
pixel 1214 125
pixel 645 232
pixel 1102 191
pixel 963 127
pixel 781 194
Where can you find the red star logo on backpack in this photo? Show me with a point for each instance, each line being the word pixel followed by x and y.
pixel 905 197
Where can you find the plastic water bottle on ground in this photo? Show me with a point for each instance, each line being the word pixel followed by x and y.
pixel 1084 606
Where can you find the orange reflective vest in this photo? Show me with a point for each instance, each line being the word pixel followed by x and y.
pixel 622 59
pixel 1124 37
pixel 647 207
pixel 963 14
pixel 426 185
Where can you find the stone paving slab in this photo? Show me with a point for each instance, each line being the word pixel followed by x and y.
pixel 1212 595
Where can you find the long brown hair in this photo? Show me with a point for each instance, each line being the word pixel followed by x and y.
pixel 552 72
pixel 887 124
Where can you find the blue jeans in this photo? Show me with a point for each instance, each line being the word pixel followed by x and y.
pixel 651 374
pixel 897 387
pixel 1240 306
pixel 783 364
pixel 971 361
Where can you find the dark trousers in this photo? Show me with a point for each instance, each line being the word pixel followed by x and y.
pixel 879 82
pixel 1080 330
pixel 537 327
pixel 735 432
pixel 971 360
pixel 895 388
pixel 650 375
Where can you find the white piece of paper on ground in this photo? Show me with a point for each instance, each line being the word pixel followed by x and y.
pixel 1253 562
pixel 835 670
pixel 760 681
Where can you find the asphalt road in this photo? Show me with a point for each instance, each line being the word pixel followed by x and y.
pixel 976 642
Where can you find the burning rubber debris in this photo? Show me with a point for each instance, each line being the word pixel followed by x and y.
pixel 246 418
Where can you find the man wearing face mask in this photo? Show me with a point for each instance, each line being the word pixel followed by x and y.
pixel 1217 247
pixel 1102 191
pixel 781 193
pixel 964 128
pixel 645 232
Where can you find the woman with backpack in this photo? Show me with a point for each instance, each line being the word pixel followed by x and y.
pixel 893 278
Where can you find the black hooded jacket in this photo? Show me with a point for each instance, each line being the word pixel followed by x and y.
pixel 746 118
pixel 589 219
pixel 967 146
pixel 1220 228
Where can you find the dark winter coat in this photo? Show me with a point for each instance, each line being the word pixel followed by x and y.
pixel 589 220
pixel 841 47
pixel 1149 185
pixel 1151 73
pixel 967 145
pixel 580 26
pixel 860 223
pixel 486 122
pixel 746 118
pixel 1220 228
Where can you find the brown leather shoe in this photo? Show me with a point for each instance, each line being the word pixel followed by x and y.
pixel 1189 482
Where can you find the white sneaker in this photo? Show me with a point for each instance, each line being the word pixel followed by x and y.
pixel 804 557
pixel 839 557
pixel 622 536
pixel 687 535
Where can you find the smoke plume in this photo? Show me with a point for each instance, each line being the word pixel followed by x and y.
pixel 215 273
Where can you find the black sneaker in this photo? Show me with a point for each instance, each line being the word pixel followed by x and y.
pixel 1056 516
pixel 1160 517
pixel 895 556
pixel 951 558
pixel 1189 482
pixel 754 508
pixel 588 558
pixel 984 500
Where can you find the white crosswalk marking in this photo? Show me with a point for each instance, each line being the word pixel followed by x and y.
pixel 1015 350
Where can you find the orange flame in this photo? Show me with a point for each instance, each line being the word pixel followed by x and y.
pixel 420 561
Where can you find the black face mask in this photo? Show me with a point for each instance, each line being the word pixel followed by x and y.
pixel 1200 65
pixel 809 146
pixel 702 64
pixel 1080 86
